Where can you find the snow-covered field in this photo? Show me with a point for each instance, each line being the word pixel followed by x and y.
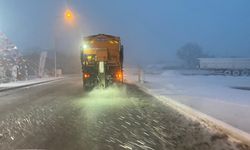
pixel 212 95
pixel 218 88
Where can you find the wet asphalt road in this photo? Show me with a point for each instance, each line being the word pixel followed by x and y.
pixel 61 116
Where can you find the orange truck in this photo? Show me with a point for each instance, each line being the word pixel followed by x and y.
pixel 102 60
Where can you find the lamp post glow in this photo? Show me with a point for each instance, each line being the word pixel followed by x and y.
pixel 69 16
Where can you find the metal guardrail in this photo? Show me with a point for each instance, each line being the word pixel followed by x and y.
pixel 28 85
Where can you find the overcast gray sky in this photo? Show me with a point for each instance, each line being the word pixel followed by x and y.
pixel 152 30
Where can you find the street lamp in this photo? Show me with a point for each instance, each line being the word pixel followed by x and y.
pixel 70 19
pixel 69 16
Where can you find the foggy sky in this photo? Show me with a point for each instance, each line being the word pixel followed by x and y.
pixel 151 30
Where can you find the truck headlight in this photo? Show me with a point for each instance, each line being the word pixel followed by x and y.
pixel 85 46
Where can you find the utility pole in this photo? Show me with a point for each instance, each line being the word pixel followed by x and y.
pixel 55 49
pixel 55 62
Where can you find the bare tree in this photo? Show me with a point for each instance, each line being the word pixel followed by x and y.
pixel 189 54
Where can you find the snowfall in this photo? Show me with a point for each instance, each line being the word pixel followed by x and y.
pixel 217 96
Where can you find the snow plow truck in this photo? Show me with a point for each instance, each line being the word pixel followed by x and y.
pixel 102 61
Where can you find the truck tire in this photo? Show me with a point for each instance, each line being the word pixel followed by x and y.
pixel 236 73
pixel 87 86
pixel 245 73
pixel 227 72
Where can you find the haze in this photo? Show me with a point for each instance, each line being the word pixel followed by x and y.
pixel 151 31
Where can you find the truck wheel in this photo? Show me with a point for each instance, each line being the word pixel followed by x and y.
pixel 227 72
pixel 245 73
pixel 86 87
pixel 236 73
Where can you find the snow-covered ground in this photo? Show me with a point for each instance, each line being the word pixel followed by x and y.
pixel 212 95
pixel 25 83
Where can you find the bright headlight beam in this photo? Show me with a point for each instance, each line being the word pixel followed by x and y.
pixel 85 46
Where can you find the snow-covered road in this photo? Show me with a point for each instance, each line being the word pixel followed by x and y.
pixel 61 115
